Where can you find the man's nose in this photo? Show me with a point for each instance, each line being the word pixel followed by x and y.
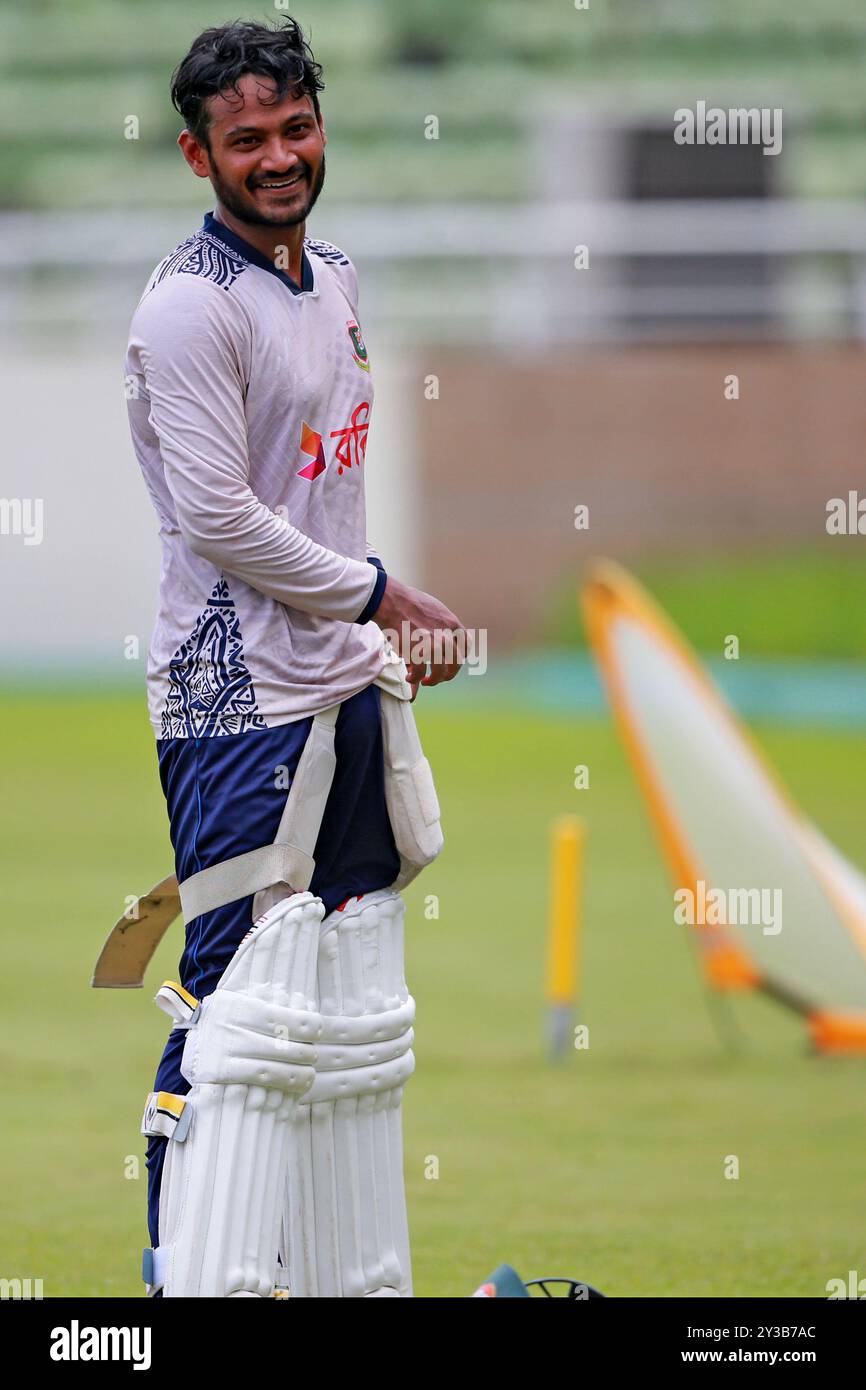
pixel 278 155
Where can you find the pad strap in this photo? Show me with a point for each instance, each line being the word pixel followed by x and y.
pixel 244 874
pixel 153 1270
pixel 166 1116
pixel 289 859
pixel 177 1002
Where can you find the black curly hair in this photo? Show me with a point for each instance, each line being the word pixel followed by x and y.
pixel 219 57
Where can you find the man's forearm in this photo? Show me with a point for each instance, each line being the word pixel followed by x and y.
pixel 282 562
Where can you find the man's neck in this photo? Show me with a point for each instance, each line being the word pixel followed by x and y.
pixel 282 245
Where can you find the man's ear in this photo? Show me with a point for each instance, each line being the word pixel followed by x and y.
pixel 194 153
pixel 322 129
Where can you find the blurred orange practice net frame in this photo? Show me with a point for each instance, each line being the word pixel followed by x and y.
pixel 725 821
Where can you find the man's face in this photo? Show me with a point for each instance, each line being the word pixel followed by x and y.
pixel 266 159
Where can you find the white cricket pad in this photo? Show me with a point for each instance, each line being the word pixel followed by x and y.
pixel 250 1054
pixel 345 1227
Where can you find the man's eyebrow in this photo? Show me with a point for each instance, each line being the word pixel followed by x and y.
pixel 257 130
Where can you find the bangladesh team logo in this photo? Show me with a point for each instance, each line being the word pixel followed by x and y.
pixel 359 347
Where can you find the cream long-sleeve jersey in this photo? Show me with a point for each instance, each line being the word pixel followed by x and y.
pixel 249 402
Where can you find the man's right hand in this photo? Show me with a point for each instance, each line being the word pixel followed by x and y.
pixel 423 631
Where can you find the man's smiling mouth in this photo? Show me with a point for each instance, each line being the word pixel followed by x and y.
pixel 281 183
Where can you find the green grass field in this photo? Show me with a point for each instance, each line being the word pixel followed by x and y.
pixel 609 1166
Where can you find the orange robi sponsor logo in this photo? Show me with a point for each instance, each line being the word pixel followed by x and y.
pixel 350 449
pixel 352 438
pixel 311 443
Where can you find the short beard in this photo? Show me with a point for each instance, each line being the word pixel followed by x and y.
pixel 246 211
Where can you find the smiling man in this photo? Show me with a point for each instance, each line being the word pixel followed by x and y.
pixel 299 800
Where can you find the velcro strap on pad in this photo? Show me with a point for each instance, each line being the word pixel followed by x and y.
pixel 153 1270
pixel 176 1001
pixel 166 1116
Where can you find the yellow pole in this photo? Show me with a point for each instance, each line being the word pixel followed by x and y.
pixel 568 837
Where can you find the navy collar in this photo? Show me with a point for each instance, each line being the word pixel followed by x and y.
pixel 249 253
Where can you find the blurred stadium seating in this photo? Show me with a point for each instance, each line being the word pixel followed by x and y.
pixel 557 386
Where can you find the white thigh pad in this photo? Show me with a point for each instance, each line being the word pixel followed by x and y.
pixel 410 794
